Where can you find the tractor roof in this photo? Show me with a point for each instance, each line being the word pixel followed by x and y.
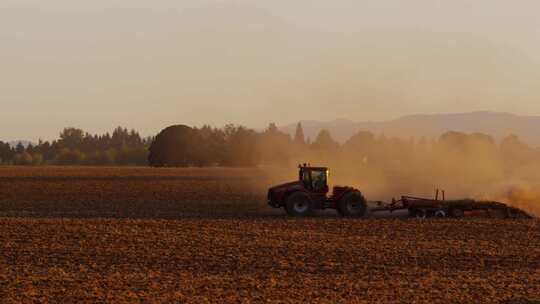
pixel 315 168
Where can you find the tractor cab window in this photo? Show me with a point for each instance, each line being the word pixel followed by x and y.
pixel 305 177
pixel 318 179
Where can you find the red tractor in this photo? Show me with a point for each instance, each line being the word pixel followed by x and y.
pixel 309 193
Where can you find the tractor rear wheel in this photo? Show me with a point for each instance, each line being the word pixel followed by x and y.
pixel 298 204
pixel 352 204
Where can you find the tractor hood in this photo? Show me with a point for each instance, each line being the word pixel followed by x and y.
pixel 278 193
pixel 296 185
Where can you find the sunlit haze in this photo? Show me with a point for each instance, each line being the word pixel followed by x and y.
pixel 148 64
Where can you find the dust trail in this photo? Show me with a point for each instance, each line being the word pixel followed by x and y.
pixel 464 165
pixel 522 195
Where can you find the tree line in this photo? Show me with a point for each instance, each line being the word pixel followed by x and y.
pixel 76 147
pixel 230 146
pixel 464 164
pixel 237 146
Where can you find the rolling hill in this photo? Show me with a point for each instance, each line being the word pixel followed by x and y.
pixel 496 124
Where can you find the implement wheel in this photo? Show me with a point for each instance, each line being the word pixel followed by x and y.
pixel 298 204
pixel 418 213
pixel 441 213
pixel 457 213
pixel 352 204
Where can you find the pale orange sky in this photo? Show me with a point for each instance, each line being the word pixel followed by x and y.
pixel 148 64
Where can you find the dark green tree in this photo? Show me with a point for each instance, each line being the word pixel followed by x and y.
pixel 325 142
pixel 299 137
pixel 175 146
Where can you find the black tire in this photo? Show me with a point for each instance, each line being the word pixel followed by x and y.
pixel 441 213
pixel 419 213
pixel 457 213
pixel 352 204
pixel 298 204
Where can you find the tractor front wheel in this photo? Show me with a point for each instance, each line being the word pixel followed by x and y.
pixel 298 204
pixel 353 204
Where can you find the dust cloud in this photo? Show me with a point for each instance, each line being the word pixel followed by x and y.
pixel 464 165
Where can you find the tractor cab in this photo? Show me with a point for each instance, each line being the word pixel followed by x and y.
pixel 314 179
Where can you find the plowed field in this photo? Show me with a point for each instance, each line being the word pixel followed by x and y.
pixel 106 235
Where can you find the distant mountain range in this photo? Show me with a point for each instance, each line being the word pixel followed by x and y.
pixel 496 124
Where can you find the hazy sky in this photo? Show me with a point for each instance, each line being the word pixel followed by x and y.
pixel 148 64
